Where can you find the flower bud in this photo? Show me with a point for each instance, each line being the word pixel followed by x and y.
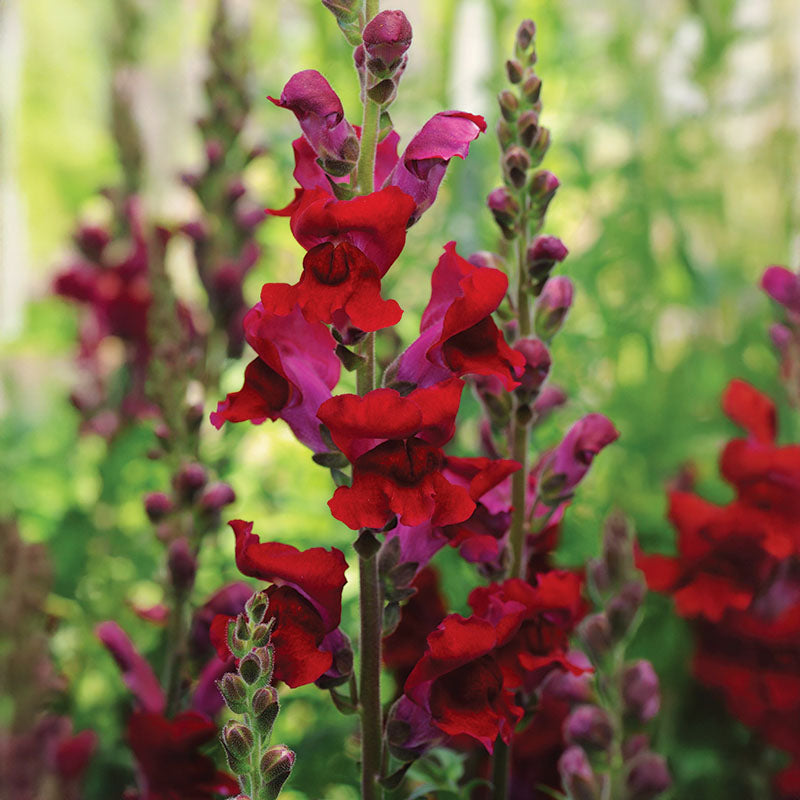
pixel 640 690
pixel 485 258
pixel 250 668
pixel 261 634
pixel 537 364
pixel 577 776
pixel 622 609
pixel 543 188
pixel 648 777
pixel 516 163
pixel 526 33
pixel 383 93
pixel 386 37
pixel 214 151
pixel 541 144
pixel 509 104
pixel 505 209
pixel 528 127
pixel 276 766
pixel 617 548
pixel 157 505
pixel 266 708
pixel 256 607
pixel 91 240
pixel 234 692
pixel 216 496
pixel 549 398
pixel 552 307
pixel 505 134
pixel 634 745
pixel 514 70
pixel 189 479
pixel 182 564
pixel 594 633
pixel 543 253
pixel 238 739
pixel 589 726
pixel 532 88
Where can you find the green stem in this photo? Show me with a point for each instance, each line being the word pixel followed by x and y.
pixel 177 644
pixel 500 770
pixel 519 483
pixel 369 685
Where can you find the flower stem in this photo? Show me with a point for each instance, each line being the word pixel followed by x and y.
pixel 178 640
pixel 500 770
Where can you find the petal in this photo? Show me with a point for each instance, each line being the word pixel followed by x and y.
pixel 750 409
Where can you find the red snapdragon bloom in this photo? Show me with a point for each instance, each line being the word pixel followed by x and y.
pixel 305 601
pixel 351 244
pixel 460 685
pixel 294 373
pixel 419 617
pixel 723 557
pixel 170 764
pixel 533 624
pixel 330 138
pixel 394 444
pixel 457 334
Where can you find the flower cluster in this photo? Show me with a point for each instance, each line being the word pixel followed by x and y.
pixel 736 577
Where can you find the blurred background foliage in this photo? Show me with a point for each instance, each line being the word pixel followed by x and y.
pixel 675 137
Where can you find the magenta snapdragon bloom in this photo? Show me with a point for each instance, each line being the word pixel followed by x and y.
pixel 330 138
pixel 566 466
pixel 294 373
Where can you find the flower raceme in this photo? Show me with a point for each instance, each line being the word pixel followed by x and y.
pixel 394 444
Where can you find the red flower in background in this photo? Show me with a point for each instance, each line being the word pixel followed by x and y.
pixel 170 763
pixel 394 444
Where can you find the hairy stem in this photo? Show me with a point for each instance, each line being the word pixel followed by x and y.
pixel 519 483
pixel 500 770
pixel 178 641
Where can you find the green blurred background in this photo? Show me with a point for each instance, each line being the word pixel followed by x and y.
pixel 675 136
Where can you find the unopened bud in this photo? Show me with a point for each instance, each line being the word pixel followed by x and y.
pixel 238 739
pixel 216 496
pixel 189 479
pixel 250 668
pixel 509 104
pixel 552 307
pixel 214 151
pixel 505 134
pixel 526 33
pixel 640 691
pixel 617 548
pixel 577 776
pixel 505 209
pixel 537 364
pixel 91 240
pixel 266 708
pixel 594 633
pixel 589 726
pixel 516 163
pixel 543 253
pixel 261 635
pixel 182 564
pixel 256 607
pixel 383 93
pixel 648 777
pixel 485 258
pixel 276 766
pixel 514 70
pixel 621 610
pixel 157 505
pixel 234 692
pixel 528 127
pixel 541 144
pixel 532 88
pixel 543 189
pixel 386 37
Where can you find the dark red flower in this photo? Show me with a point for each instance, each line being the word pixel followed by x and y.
pixel 457 334
pixel 294 374
pixel 170 764
pixel 420 615
pixel 461 686
pixel 394 444
pixel 723 556
pixel 533 624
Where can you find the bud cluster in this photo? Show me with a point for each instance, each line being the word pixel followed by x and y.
pixel 381 58
pixel 607 749
pixel 223 235
pixel 519 207
pixel 261 769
